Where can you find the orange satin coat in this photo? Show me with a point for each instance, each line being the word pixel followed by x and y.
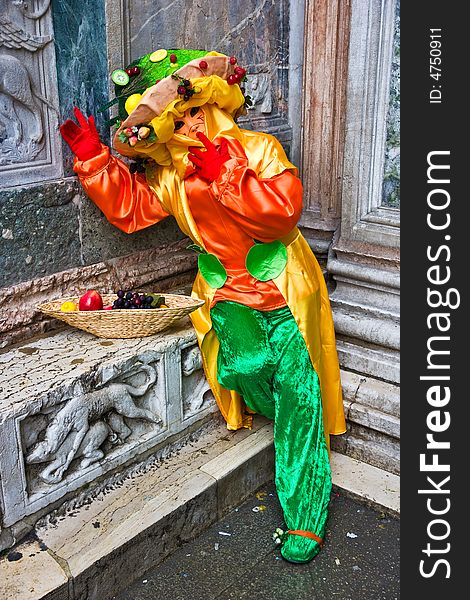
pixel 124 197
pixel 230 213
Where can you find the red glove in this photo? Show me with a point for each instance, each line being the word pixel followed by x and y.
pixel 84 141
pixel 209 162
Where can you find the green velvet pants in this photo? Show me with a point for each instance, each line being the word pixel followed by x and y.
pixel 264 358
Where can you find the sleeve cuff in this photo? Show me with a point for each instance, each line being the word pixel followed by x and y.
pixel 92 166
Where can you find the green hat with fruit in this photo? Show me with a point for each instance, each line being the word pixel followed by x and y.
pixel 161 85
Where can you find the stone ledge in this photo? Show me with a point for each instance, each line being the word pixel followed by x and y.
pixel 369 446
pixel 371 393
pixel 37 575
pixel 133 528
pixel 372 361
pixel 156 269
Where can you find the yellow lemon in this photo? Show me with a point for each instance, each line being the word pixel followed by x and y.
pixel 132 102
pixel 158 55
pixel 68 306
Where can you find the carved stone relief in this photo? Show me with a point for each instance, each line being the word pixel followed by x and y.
pixel 259 88
pixel 28 93
pixel 87 423
pixel 365 218
pixel 196 392
pixel 73 412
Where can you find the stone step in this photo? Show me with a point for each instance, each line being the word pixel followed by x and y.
pixel 375 487
pixel 90 552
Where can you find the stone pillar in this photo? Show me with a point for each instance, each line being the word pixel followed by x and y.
pixel 323 112
pixel 365 259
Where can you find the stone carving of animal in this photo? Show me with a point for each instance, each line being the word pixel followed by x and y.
pixel 192 361
pixel 89 449
pixel 195 396
pixel 66 433
pixel 112 428
pixel 15 85
pixel 15 81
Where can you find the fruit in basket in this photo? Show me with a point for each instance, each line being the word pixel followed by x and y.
pixel 131 300
pixel 157 300
pixel 68 306
pixel 91 300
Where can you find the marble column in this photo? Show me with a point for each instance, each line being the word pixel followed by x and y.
pixel 364 261
pixel 326 39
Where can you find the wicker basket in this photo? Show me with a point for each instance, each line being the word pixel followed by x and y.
pixel 123 323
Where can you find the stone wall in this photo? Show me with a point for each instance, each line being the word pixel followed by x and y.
pixel 324 80
pixel 47 223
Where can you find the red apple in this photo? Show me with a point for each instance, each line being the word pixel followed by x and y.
pixel 91 300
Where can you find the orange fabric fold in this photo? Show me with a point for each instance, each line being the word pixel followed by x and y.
pixel 124 197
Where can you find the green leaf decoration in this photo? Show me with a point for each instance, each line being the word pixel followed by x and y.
pixel 157 300
pixel 212 270
pixel 122 137
pixel 266 261
pixel 112 122
pixel 196 248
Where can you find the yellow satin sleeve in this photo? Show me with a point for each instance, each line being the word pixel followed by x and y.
pixel 125 198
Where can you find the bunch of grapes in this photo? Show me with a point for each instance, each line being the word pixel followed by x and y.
pixel 126 300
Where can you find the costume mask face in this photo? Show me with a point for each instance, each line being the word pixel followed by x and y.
pixel 191 123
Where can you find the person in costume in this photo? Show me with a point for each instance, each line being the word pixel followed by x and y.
pixel 265 331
